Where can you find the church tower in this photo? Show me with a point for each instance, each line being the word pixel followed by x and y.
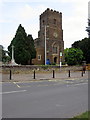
pixel 50 42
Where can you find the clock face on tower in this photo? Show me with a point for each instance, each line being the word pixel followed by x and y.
pixel 55 34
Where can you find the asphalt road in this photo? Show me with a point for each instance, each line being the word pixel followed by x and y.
pixel 44 99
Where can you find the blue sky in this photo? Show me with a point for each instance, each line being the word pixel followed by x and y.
pixel 26 12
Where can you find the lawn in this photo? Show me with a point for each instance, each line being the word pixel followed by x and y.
pixel 83 116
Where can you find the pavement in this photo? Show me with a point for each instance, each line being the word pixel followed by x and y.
pixel 43 76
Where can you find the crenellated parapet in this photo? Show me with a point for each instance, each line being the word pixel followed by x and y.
pixel 51 11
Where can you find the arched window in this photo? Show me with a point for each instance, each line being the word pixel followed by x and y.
pixel 54 21
pixel 55 48
pixel 43 22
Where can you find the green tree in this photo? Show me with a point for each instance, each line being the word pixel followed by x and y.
pixel 73 56
pixel 31 47
pixel 3 55
pixel 84 45
pixel 23 47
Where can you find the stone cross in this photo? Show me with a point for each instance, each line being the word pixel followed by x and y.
pixel 13 53
pixel 13 61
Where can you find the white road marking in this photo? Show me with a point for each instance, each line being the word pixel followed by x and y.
pixel 16 84
pixel 76 84
pixel 81 83
pixel 13 92
pixel 58 105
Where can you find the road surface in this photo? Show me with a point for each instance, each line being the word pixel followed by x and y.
pixel 45 98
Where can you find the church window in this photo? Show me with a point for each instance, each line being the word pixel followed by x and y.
pixel 39 57
pixel 43 22
pixel 54 21
pixel 54 49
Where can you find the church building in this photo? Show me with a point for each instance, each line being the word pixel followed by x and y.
pixel 49 44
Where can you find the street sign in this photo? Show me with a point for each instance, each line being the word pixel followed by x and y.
pixel 60 53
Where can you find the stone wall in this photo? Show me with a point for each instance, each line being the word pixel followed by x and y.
pixel 39 56
pixel 30 68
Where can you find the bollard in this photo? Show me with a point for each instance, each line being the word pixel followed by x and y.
pixel 69 73
pixel 10 74
pixel 53 74
pixel 82 73
pixel 34 75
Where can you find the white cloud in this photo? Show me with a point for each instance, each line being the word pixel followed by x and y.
pixel 74 26
pixel 28 12
pixel 34 1
pixel 28 15
pixel 78 1
pixel 1 1
pixel 5 21
pixel 5 40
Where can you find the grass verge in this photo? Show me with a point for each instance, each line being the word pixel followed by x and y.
pixel 83 116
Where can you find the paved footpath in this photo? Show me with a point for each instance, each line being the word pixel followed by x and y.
pixel 44 76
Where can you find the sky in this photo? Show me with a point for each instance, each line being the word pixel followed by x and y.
pixel 27 12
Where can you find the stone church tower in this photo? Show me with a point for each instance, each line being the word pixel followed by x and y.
pixel 50 42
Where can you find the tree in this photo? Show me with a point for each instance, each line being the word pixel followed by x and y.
pixel 23 47
pixel 73 56
pixel 31 47
pixel 84 45
pixel 3 55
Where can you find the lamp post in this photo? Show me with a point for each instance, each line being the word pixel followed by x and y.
pixel 45 44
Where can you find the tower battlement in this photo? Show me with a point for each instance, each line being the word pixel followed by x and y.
pixel 48 10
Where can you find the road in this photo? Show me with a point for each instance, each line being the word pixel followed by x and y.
pixel 45 98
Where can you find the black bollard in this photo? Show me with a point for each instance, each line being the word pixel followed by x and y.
pixel 34 75
pixel 69 73
pixel 82 73
pixel 10 74
pixel 53 74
